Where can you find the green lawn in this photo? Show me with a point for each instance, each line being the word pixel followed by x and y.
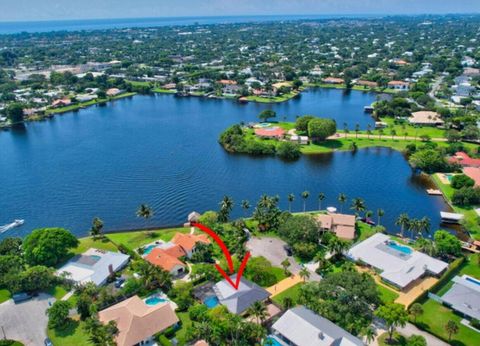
pixel 134 240
pixel 293 292
pixel 364 231
pixel 436 316
pixel 4 295
pixel 89 242
pixel 164 91
pixel 397 340
pixel 276 99
pixel 74 334
pixel 57 291
pixel 387 295
pixel 180 335
pixel 279 273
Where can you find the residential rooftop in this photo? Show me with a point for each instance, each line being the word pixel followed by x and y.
pixel 464 296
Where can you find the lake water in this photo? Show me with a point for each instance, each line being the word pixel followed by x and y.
pixel 162 150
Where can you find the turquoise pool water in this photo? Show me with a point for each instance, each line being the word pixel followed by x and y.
pixel 211 302
pixel 148 249
pixel 271 341
pixel 472 280
pixel 155 300
pixel 405 249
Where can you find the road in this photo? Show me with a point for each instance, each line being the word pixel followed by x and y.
pixel 388 137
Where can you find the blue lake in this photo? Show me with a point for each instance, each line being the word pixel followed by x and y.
pixel 162 150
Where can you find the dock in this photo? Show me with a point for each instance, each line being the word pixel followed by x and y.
pixel 453 218
pixel 434 192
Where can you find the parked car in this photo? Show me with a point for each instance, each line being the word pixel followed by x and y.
pixel 47 342
pixel 288 250
pixel 21 297
pixel 119 282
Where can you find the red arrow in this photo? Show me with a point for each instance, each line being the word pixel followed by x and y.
pixel 227 254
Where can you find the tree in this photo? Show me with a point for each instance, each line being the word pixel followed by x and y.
pixel 153 277
pixel 101 334
pixel 145 212
pixel 245 206
pixel 290 198
pixel 345 129
pixel 58 314
pixel 429 161
pixel 370 334
pixel 11 246
pixel 15 113
pixel 48 246
pixel 203 253
pixel 451 328
pixel 357 130
pixel 288 150
pixel 304 274
pixel 321 197
pixel 305 195
pixel 380 213
pixel 301 124
pixel 461 180
pixel 403 221
pixel 394 316
pixel 226 206
pixel 447 244
pixel 259 311
pixel 337 246
pixel 97 227
pixel 285 264
pixel 182 294
pixel 342 198
pixel 267 213
pixel 299 229
pixel 288 303
pixel 358 205
pixel 267 114
pixel 416 340
pixel 416 310
pixel 319 129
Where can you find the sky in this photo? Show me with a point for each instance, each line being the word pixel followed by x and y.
pixel 32 10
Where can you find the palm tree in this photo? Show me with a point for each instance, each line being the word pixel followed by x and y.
pixel 245 206
pixel 291 198
pixel 305 195
pixel 226 206
pixel 358 205
pixel 403 221
pixel 380 133
pixel 342 198
pixel 97 227
pixel 345 129
pixel 416 310
pixel 145 211
pixel 304 273
pixel 337 246
pixel 285 264
pixel 369 130
pixel 357 129
pixel 259 311
pixel 415 227
pixel 321 197
pixel 287 302
pixel 451 328
pixel 426 245
pixel 368 214
pixel 370 334
pixel 425 224
pixel 380 213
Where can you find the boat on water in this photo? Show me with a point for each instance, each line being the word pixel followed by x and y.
pixel 15 223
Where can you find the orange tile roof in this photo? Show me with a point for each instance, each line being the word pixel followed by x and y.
pixel 137 321
pixel 473 173
pixel 163 259
pixel 175 251
pixel 188 241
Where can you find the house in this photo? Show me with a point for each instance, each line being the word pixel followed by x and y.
pixel 188 242
pixel 399 85
pixel 473 173
pixel 270 132
pixel 461 158
pixel 138 322
pixel 464 296
pixel 238 301
pixel 342 225
pixel 471 72
pixel 227 82
pixel 425 118
pixel 300 326
pixel 94 266
pixel 113 92
pixel 366 83
pixel 299 139
pixel 332 80
pixel 168 259
pixel 400 265
pixel 61 103
pixel 169 86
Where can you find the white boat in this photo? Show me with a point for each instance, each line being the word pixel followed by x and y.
pixel 15 223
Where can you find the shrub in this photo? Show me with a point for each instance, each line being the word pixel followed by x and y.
pixel 461 180
pixel 319 129
pixel 301 124
pixel 288 151
pixel 466 196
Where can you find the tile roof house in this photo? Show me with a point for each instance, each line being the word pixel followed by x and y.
pixel 188 242
pixel 425 118
pixel 167 260
pixel 333 80
pixel 238 301
pixel 270 132
pixel 473 173
pixel 464 296
pixel 463 159
pixel 400 265
pixel 300 326
pixel 398 85
pixel 342 225
pixel 94 266
pixel 138 322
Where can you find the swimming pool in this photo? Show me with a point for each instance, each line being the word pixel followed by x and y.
pixel 155 300
pixel 472 280
pixel 148 249
pixel 271 341
pixel 211 302
pixel 404 249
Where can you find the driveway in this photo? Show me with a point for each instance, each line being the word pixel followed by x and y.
pixel 272 249
pixel 27 321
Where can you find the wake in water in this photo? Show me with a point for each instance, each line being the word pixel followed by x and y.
pixel 9 226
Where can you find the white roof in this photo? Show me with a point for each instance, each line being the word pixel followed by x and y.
pixel 94 266
pixel 398 267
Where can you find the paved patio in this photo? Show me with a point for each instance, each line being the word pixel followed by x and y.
pixel 27 321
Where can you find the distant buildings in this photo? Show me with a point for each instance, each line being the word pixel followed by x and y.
pixel 332 80
pixel 300 326
pixel 399 85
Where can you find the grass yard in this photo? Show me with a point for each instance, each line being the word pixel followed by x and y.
pixel 387 295
pixel 57 291
pixel 275 99
pixel 74 334
pixel 89 242
pixel 397 340
pixel 164 91
pixel 436 316
pixel 134 240
pixel 293 292
pixel 364 231
pixel 180 335
pixel 4 295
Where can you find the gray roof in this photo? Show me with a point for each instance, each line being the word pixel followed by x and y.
pixel 303 327
pixel 237 301
pixel 464 296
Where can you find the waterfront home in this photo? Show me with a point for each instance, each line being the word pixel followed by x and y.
pixel 138 322
pixel 333 80
pixel 399 265
pixel 238 301
pixel 113 92
pixel 299 139
pixel 94 266
pixel 61 103
pixel 300 326
pixel 169 86
pixel 366 83
pixel 425 118
pixel 342 225
pixel 270 133
pixel 399 85
pixel 188 242
pixel 471 72
pixel 168 259
pixel 473 173
pixel 461 158
pixel 464 296
pixel 227 82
